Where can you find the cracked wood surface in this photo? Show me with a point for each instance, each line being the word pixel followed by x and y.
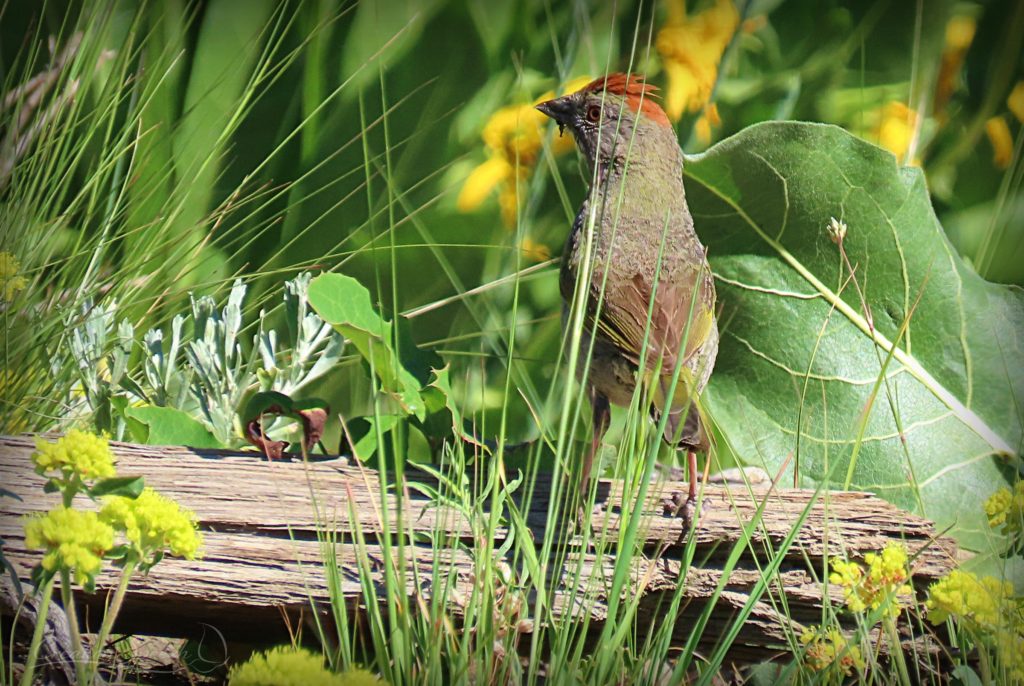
pixel 263 558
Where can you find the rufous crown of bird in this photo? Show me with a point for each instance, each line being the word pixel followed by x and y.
pixel 648 287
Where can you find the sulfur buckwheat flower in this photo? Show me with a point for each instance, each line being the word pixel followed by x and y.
pixel 965 597
pixel 1010 649
pixel 1005 511
pixel 152 524
pixel 987 608
pixel 691 48
pixel 73 540
pixel 76 454
pixel 10 281
pixel 514 138
pixel 288 666
pixel 884 578
pixel 826 648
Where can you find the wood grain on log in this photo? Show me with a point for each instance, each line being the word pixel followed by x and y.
pixel 266 527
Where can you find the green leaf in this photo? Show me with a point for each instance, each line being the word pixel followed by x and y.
pixel 382 30
pixel 938 436
pixel 366 446
pixel 344 303
pixel 126 486
pixel 159 86
pixel 494 21
pixel 224 69
pixel 311 413
pixel 963 675
pixel 168 426
pixel 441 399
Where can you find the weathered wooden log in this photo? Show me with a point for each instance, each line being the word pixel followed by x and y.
pixel 264 525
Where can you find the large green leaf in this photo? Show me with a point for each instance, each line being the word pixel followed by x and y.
pixel 344 303
pixel 798 355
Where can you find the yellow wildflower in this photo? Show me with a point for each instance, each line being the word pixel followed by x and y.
pixel 1016 101
pixel 153 523
pixel 829 647
pixel 965 597
pixel 885 578
pixel 73 540
pixel 705 122
pixel 534 251
pixel 986 607
pixel 691 48
pixel 514 137
pixel 77 453
pixel 896 126
pixel 1005 509
pixel 999 136
pixel 482 180
pixel 1010 652
pixel 959 34
pixel 291 666
pixel 10 281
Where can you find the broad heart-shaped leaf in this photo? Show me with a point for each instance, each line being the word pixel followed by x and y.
pixel 344 303
pixel 797 353
pixel 154 425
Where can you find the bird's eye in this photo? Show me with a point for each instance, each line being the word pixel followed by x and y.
pixel 594 113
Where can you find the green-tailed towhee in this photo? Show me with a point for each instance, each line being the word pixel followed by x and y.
pixel 649 281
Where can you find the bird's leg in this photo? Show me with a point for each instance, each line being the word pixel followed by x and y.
pixel 690 506
pixel 680 504
pixel 601 418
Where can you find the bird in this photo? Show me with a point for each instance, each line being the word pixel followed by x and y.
pixel 649 278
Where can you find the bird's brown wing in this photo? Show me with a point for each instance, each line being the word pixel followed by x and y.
pixel 683 306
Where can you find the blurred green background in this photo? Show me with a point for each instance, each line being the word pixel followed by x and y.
pixel 153 149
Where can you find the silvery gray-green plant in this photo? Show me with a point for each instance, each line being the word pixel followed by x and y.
pixel 206 373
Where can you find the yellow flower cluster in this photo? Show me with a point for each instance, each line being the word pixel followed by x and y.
pixel 987 607
pixel 153 523
pixel 998 130
pixel 73 540
pixel 514 137
pixel 960 32
pixel 1010 652
pixel 288 666
pixel 10 281
pixel 964 596
pixel 885 578
pixel 896 128
pixel 691 48
pixel 828 647
pixel 1005 510
pixel 77 453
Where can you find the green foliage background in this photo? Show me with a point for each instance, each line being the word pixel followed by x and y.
pixel 179 145
pixel 153 152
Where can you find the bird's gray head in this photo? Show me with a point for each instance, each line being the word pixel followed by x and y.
pixel 604 115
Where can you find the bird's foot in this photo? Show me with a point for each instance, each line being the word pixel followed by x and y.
pixel 683 505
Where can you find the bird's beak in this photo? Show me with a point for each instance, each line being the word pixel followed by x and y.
pixel 559 109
